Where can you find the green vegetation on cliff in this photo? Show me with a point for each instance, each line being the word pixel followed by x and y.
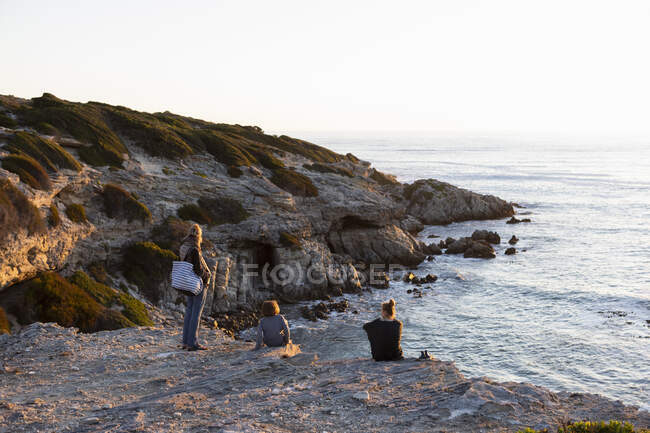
pixel 47 152
pixel 130 307
pixel 85 122
pixel 324 168
pixel 28 169
pixel 119 203
pixel 147 266
pixel 76 213
pixel 592 427
pixel 294 182
pixel 54 219
pixel 51 298
pixel 17 212
pixel 102 128
pixel 214 211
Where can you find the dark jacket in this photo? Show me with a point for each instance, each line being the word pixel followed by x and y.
pixel 384 337
pixel 190 252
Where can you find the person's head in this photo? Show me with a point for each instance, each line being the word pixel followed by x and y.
pixel 270 308
pixel 196 232
pixel 388 309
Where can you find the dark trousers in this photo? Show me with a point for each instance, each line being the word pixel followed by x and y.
pixel 192 322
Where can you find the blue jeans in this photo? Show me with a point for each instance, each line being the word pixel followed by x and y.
pixel 192 322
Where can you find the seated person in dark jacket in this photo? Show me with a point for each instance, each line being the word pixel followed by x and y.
pixel 385 334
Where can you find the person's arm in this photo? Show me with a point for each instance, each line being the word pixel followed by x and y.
pixel 286 334
pixel 260 337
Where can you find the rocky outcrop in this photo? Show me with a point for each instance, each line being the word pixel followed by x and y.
pixel 435 202
pixel 141 382
pixel 388 245
pixel 471 248
pixel 281 217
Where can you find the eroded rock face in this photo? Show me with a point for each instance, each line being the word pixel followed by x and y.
pixel 386 245
pixel 435 202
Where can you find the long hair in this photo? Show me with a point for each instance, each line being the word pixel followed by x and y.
pixel 195 231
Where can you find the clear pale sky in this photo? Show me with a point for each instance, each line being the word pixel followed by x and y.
pixel 456 65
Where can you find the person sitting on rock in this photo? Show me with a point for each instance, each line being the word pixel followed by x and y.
pixel 190 251
pixel 385 334
pixel 273 329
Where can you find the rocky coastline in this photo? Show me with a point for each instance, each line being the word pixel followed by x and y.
pixel 94 200
pixel 282 218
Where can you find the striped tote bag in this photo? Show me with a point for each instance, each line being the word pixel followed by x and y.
pixel 184 278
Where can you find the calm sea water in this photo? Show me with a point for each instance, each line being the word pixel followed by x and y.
pixel 571 311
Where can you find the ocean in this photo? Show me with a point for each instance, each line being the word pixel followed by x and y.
pixel 570 311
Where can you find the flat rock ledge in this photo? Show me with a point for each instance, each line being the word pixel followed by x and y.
pixel 53 379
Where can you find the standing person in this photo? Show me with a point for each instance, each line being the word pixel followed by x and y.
pixel 190 251
pixel 385 334
pixel 273 329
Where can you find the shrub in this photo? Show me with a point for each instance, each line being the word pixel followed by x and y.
pixel 193 212
pixel 289 240
pixel 225 148
pixel 382 179
pixel 147 266
pixel 47 152
pixel 234 171
pixel 85 122
pixel 294 182
pixel 130 307
pixel 51 298
pixel 98 272
pixel 29 171
pixel 323 168
pixel 214 211
pixel 17 212
pixel 119 203
pixel 223 210
pixel 170 233
pixel 54 219
pixel 76 213
pixel 200 174
pixel 593 427
pixel 154 136
pixel 5 326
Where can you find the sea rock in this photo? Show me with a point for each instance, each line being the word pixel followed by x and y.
pixel 513 240
pixel 510 251
pixel 434 202
pixel 485 235
pixel 411 225
pixel 459 246
pixel 388 244
pixel 514 220
pixel 432 249
pixel 480 250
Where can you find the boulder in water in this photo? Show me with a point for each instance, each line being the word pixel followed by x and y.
pixel 510 251
pixel 480 250
pixel 459 246
pixel 513 240
pixel 485 235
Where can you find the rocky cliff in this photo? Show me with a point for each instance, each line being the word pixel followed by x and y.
pixel 110 191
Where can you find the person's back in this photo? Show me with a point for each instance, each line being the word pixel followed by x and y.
pixel 273 329
pixel 385 335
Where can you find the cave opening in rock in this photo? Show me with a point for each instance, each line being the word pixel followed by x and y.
pixel 263 256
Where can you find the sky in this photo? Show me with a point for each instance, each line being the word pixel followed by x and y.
pixel 569 66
